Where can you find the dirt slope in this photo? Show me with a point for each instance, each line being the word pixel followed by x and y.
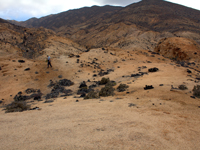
pixel 160 118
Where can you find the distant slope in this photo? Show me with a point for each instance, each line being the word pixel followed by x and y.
pixel 122 27
pixel 30 42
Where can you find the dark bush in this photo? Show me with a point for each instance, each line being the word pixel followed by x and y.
pixel 122 87
pixel 17 107
pixel 66 82
pixel 182 87
pixel 104 81
pixel 196 91
pixel 111 83
pixel 91 95
pixel 107 91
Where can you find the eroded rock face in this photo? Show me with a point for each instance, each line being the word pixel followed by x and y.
pixel 177 48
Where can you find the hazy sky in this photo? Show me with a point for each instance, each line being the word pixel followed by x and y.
pixel 22 10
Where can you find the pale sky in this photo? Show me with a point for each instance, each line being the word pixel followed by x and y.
pixel 22 10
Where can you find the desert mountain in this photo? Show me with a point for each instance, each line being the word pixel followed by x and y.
pixel 139 25
pixel 30 42
pixel 136 86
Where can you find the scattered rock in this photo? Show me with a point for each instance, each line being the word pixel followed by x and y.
pixel 0 68
pixel 189 71
pixel 21 61
pixel 161 85
pixel 148 87
pixel 77 100
pixel 27 69
pixel 83 85
pixel 48 101
pixel 153 69
pixel 77 61
pixel 30 90
pixel 36 72
pixel 60 76
pixel 131 105
pixel 193 97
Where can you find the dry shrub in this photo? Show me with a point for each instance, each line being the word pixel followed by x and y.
pixel 17 106
pixel 196 91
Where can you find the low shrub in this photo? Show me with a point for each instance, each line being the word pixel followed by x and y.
pixel 17 107
pixel 91 95
pixel 108 90
pixel 182 87
pixel 196 91
pixel 122 87
pixel 104 81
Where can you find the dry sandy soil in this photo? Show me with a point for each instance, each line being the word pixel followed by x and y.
pixel 160 118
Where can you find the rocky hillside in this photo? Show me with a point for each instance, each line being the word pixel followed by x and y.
pixel 30 42
pixel 139 25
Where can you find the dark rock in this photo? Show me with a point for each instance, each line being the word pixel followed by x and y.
pixel 153 69
pixel 136 75
pixel 47 72
pixel 1 102
pixel 35 108
pixel 83 95
pixel 20 93
pixel 161 85
pixel 77 56
pixel 189 71
pixel 131 105
pixel 94 75
pixel 103 49
pixel 66 62
pixel 195 53
pixel 77 100
pixel 77 61
pixel 27 69
pixel 36 72
pixel 149 62
pixel 21 61
pixel 87 50
pixel 60 76
pixel 48 101
pixel 83 85
pixel 30 90
pixel 0 68
pixel 198 106
pixel 148 87
pixel 193 97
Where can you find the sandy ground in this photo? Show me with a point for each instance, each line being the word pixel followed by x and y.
pixel 159 118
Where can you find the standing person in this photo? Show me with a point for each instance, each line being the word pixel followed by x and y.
pixel 49 61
